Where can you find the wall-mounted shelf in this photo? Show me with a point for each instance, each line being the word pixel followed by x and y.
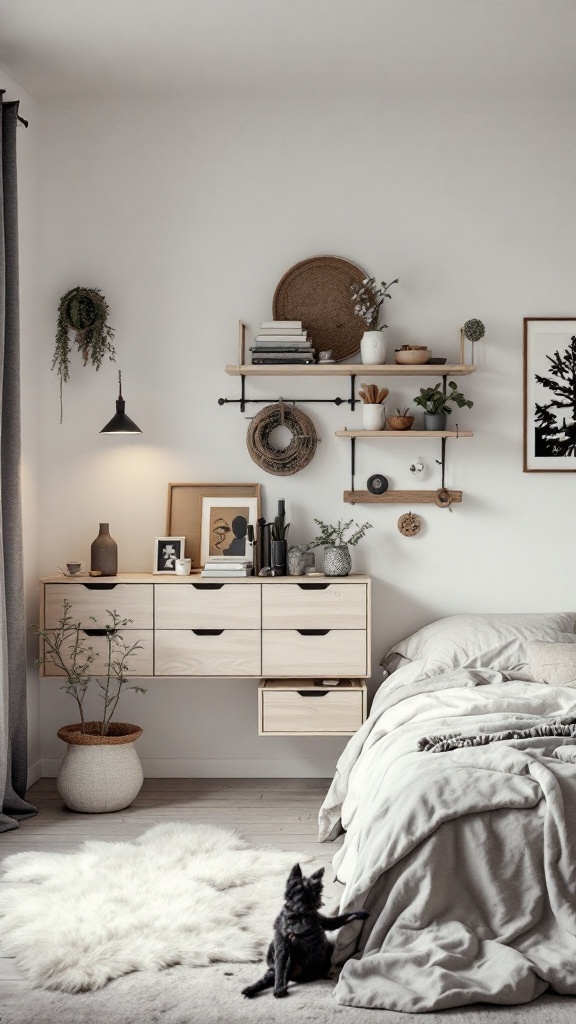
pixel 389 434
pixel 351 370
pixel 396 497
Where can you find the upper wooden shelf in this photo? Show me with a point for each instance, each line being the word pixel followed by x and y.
pixel 404 433
pixel 350 369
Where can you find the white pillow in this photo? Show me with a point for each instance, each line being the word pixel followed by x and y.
pixel 497 641
pixel 551 662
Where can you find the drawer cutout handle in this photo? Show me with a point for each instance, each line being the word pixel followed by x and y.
pixel 314 586
pixel 313 693
pixel 99 586
pixel 207 586
pixel 313 632
pixel 208 632
pixel 100 632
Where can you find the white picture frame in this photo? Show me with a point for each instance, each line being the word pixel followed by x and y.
pixel 166 552
pixel 221 534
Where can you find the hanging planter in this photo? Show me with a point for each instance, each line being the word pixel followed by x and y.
pixel 85 312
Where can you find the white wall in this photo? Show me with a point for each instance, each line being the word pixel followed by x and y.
pixel 186 214
pixel 28 223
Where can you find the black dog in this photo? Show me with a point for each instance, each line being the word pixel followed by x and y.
pixel 300 950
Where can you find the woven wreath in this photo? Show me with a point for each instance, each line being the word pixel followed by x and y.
pixel 297 454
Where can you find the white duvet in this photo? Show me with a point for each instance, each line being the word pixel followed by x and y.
pixel 466 860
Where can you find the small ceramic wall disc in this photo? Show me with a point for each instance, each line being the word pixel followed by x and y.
pixel 377 484
pixel 409 524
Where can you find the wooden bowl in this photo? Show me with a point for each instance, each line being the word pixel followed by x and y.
pixel 412 356
pixel 400 422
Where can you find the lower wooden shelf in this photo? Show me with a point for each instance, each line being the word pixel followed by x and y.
pixel 396 497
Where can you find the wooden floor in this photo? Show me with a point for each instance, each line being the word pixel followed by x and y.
pixel 276 812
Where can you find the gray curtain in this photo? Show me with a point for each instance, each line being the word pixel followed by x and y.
pixel 13 731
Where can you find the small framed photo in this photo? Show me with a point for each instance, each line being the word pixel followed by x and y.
pixel 549 395
pixel 166 551
pixel 224 527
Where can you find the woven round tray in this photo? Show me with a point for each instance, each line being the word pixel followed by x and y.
pixel 299 451
pixel 317 292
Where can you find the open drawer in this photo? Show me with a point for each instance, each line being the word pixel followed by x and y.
pixel 295 707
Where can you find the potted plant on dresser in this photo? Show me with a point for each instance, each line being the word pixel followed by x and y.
pixel 337 560
pixel 101 770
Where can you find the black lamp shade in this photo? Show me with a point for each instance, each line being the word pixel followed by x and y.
pixel 120 423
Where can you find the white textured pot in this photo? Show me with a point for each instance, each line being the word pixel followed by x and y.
pixel 373 347
pixel 100 773
pixel 373 416
pixel 337 560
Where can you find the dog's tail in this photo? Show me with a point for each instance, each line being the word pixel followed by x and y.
pixel 329 924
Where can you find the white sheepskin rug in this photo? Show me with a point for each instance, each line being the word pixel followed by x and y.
pixel 180 894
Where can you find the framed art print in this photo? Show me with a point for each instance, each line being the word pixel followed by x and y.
pixel 185 509
pixel 549 395
pixel 166 551
pixel 224 528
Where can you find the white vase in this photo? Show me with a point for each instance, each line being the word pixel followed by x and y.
pixel 373 415
pixel 373 347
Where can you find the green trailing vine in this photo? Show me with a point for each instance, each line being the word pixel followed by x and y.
pixel 84 311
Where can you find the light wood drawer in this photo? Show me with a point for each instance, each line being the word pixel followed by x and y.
pixel 311 710
pixel 317 605
pixel 302 652
pixel 207 606
pixel 227 652
pixel 141 663
pixel 91 601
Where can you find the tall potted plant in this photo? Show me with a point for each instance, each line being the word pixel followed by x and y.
pixel 101 770
pixel 337 560
pixel 368 298
pixel 436 407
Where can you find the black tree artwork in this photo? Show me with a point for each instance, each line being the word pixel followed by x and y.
pixel 553 436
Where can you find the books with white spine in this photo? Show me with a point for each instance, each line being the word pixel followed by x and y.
pixel 281 324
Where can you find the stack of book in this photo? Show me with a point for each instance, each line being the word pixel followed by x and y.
pixel 227 565
pixel 282 341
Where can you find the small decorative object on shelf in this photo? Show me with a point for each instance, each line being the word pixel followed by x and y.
pixel 373 411
pixel 325 356
pixel 104 553
pixel 443 498
pixel 401 421
pixel 101 770
pixel 412 355
pixel 299 559
pixel 337 560
pixel 377 484
pixel 84 311
pixel 435 404
pixel 409 524
pixel 367 299
pixel 474 330
pixel 417 468
pixel 183 566
pixel 167 551
pixel 279 531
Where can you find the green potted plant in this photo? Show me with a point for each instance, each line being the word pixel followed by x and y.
pixel 368 298
pixel 101 770
pixel 83 311
pixel 337 560
pixel 436 407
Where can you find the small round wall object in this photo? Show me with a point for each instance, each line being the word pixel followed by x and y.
pixel 377 484
pixel 443 498
pixel 409 524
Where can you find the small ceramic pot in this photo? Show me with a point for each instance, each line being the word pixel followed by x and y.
pixel 434 421
pixel 337 561
pixel 400 422
pixel 373 347
pixel 373 416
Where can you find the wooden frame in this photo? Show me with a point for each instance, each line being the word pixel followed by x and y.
pixel 549 408
pixel 160 566
pixel 184 514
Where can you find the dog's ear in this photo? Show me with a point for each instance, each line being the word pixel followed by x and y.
pixel 296 872
pixel 318 874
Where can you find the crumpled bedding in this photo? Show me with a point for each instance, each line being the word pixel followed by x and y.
pixel 465 859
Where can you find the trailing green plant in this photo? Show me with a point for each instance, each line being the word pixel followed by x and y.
pixel 66 648
pixel 433 400
pixel 85 312
pixel 334 536
pixel 368 298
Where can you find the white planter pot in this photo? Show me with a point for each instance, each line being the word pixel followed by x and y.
pixel 99 773
pixel 373 347
pixel 373 416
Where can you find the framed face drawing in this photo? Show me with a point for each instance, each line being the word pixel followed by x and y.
pixel 224 527
pixel 549 395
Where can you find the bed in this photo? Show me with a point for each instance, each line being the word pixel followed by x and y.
pixel 464 857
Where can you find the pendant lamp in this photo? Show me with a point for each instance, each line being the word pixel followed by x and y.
pixel 120 422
